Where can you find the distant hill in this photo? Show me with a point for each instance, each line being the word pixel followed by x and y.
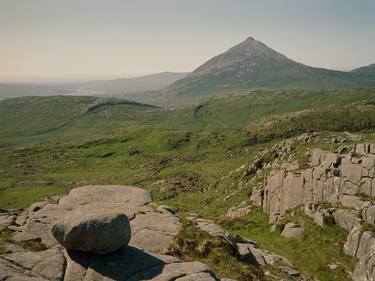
pixel 365 75
pixel 116 87
pixel 32 119
pixel 151 82
pixel 247 66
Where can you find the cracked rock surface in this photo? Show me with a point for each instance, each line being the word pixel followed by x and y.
pixel 143 259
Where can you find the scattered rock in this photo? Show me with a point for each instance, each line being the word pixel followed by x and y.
pixel 250 254
pixel 169 209
pixel 292 230
pixel 239 211
pixel 94 218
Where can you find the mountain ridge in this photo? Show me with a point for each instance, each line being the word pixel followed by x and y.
pixel 252 65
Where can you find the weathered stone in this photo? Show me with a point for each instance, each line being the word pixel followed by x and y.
pixel 368 214
pixel 365 268
pixel 100 233
pixel 6 220
pixel 352 202
pixel 292 230
pixel 169 209
pixel 347 218
pixel 250 254
pixel 13 272
pixel 256 197
pixel 154 231
pixel 366 244
pixel 352 172
pixel 352 241
pixel 49 264
pixel 237 212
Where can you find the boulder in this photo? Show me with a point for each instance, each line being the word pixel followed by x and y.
pixel 100 233
pixel 292 230
pixel 92 218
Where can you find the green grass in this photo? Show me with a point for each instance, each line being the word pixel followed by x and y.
pixel 70 118
pixel 23 197
pixel 187 157
pixel 194 245
pixel 310 254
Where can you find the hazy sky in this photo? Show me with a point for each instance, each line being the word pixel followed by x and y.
pixel 55 39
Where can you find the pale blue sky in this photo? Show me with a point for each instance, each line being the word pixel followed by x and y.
pixel 53 39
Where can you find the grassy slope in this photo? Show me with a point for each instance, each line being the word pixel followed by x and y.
pixel 183 156
pixel 69 118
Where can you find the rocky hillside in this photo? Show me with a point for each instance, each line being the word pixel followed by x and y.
pixel 115 233
pixel 344 180
pixel 260 186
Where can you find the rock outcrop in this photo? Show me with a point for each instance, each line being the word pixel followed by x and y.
pixel 247 250
pixel 361 244
pixel 143 259
pixel 342 180
pixel 333 178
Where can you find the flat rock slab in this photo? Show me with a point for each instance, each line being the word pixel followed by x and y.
pixel 152 232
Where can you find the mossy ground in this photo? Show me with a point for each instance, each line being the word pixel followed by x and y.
pixel 192 244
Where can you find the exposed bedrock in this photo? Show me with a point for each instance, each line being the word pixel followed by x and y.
pixel 347 182
pixel 95 220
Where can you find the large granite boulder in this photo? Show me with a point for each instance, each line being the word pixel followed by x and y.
pixel 96 219
pixel 100 233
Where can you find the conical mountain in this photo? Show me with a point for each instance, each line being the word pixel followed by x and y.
pixel 253 65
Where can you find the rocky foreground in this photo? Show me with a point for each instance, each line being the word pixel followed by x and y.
pixel 87 209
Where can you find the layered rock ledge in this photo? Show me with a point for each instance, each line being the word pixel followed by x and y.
pixel 346 181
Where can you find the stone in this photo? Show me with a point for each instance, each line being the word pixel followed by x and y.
pixel 101 233
pixel 352 172
pixel 49 263
pixel 250 254
pixel 203 276
pixel 332 266
pixel 292 230
pixel 290 271
pixel 13 272
pixel 169 209
pixel 140 260
pixel 347 218
pixel 352 241
pixel 365 268
pixel 368 214
pixel 99 199
pixel 6 220
pixel 352 202
pixel 237 212
pixel 154 231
